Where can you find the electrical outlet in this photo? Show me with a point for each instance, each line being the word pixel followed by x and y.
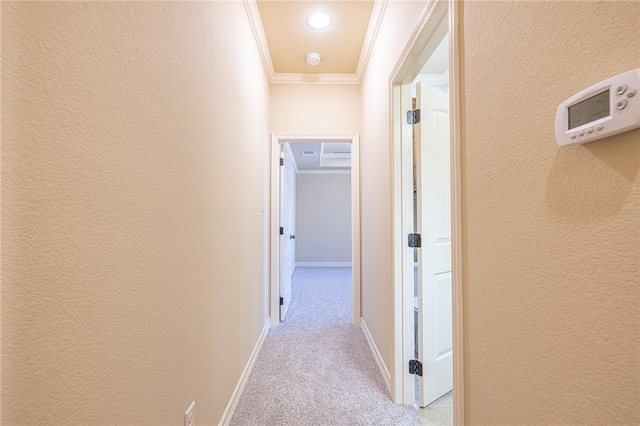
pixel 190 415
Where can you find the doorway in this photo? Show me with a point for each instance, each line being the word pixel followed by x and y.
pixel 427 268
pixel 278 243
pixel 287 227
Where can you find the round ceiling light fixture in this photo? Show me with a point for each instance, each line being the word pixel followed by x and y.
pixel 319 20
pixel 313 58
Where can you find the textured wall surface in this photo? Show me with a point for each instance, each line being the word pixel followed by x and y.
pixel 315 108
pixel 323 218
pixel 376 175
pixel 551 235
pixel 132 191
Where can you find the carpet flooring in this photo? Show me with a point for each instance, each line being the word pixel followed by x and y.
pixel 316 369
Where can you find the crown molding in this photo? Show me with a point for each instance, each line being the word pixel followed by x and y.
pixel 255 20
pixel 323 78
pixel 251 6
pixel 379 6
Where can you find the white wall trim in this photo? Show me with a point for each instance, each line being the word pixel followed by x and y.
pixel 376 354
pixel 324 172
pixel 455 89
pixel 419 47
pixel 251 6
pixel 274 215
pixel 398 245
pixel 417 50
pixel 321 78
pixel 244 377
pixel 324 264
pixel 377 13
pixel 293 157
pixel 437 16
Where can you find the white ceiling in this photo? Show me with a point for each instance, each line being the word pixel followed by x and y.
pixel 330 156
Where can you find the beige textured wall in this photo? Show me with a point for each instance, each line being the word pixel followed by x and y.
pixel 323 217
pixel 375 175
pixel 132 188
pixel 315 108
pixel 551 235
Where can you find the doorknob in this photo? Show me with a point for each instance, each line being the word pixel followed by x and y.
pixel 292 237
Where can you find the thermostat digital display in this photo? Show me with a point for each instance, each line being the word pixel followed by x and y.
pixel 589 110
pixel 605 109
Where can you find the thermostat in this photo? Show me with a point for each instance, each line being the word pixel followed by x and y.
pixel 605 109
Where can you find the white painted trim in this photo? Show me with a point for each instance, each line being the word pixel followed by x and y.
pixel 324 172
pixel 455 89
pixel 397 381
pixel 419 46
pixel 416 52
pixel 255 21
pixel 276 140
pixel 325 264
pixel 376 355
pixel 355 232
pixel 293 157
pixel 274 234
pixel 377 13
pixel 322 78
pixel 251 6
pixel 408 260
pixel 418 49
pixel 244 377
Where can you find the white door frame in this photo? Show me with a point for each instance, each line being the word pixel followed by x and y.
pixel 417 51
pixel 274 237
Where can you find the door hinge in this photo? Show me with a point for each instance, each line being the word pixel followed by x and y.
pixel 282 303
pixel 282 161
pixel 415 240
pixel 413 116
pixel 415 367
pixel 281 230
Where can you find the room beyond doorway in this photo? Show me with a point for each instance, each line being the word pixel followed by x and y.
pixel 328 142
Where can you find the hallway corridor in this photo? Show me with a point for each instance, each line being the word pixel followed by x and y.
pixel 316 368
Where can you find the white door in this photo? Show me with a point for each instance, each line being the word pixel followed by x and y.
pixel 288 225
pixel 434 259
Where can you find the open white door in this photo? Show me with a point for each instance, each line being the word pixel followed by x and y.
pixel 288 228
pixel 432 141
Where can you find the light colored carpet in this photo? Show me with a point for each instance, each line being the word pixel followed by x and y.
pixel 316 369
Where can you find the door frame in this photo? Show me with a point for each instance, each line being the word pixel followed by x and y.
pixel 274 234
pixel 417 50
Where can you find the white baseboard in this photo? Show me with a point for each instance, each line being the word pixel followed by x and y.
pixel 325 264
pixel 376 354
pixel 237 393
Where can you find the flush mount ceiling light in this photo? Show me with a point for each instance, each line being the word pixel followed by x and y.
pixel 313 58
pixel 319 20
